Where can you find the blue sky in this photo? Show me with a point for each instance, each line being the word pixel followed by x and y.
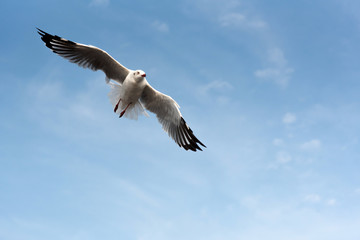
pixel 271 87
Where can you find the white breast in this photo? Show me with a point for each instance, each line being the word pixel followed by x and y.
pixel 132 89
pixel 129 93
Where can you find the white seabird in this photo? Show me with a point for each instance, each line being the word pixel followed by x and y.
pixel 131 93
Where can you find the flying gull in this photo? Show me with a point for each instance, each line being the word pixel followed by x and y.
pixel 131 94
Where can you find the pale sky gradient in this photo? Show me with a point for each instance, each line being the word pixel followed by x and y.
pixel 271 87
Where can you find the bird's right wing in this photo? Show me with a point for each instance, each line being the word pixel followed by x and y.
pixel 86 56
pixel 168 113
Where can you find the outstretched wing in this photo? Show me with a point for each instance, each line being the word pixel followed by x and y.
pixel 168 113
pixel 85 56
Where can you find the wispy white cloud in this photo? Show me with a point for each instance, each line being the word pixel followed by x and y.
pixel 231 19
pixel 250 201
pixel 52 97
pixel 216 85
pixel 278 142
pixel 311 145
pixel 331 202
pixel 97 3
pixel 213 6
pixel 47 91
pixel 235 16
pixel 279 72
pixel 216 89
pixel 316 198
pixel 277 75
pixel 312 198
pixel 230 14
pixel 283 157
pixel 276 56
pixel 160 26
pixel 289 118
pixel 236 19
pixel 58 110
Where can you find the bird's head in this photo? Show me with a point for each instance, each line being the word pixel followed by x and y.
pixel 139 74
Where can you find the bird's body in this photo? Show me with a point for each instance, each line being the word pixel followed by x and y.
pixel 132 88
pixel 130 93
pixel 127 95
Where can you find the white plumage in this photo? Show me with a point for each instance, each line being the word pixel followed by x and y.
pixel 131 94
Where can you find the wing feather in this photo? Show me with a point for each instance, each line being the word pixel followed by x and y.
pixel 85 56
pixel 168 113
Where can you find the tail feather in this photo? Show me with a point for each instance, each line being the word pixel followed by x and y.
pixel 133 111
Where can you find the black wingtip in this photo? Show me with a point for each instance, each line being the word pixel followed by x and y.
pixel 49 39
pixel 189 135
pixel 46 38
pixel 41 32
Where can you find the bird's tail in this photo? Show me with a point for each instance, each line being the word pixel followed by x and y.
pixel 132 111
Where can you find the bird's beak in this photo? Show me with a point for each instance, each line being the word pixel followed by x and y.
pixel 143 75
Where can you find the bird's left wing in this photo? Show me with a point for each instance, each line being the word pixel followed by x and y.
pixel 86 56
pixel 168 113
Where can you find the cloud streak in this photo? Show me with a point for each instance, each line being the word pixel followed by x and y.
pixel 312 198
pixel 161 26
pixel 99 3
pixel 239 20
pixel 283 157
pixel 289 118
pixel 216 89
pixel 312 145
pixel 279 72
